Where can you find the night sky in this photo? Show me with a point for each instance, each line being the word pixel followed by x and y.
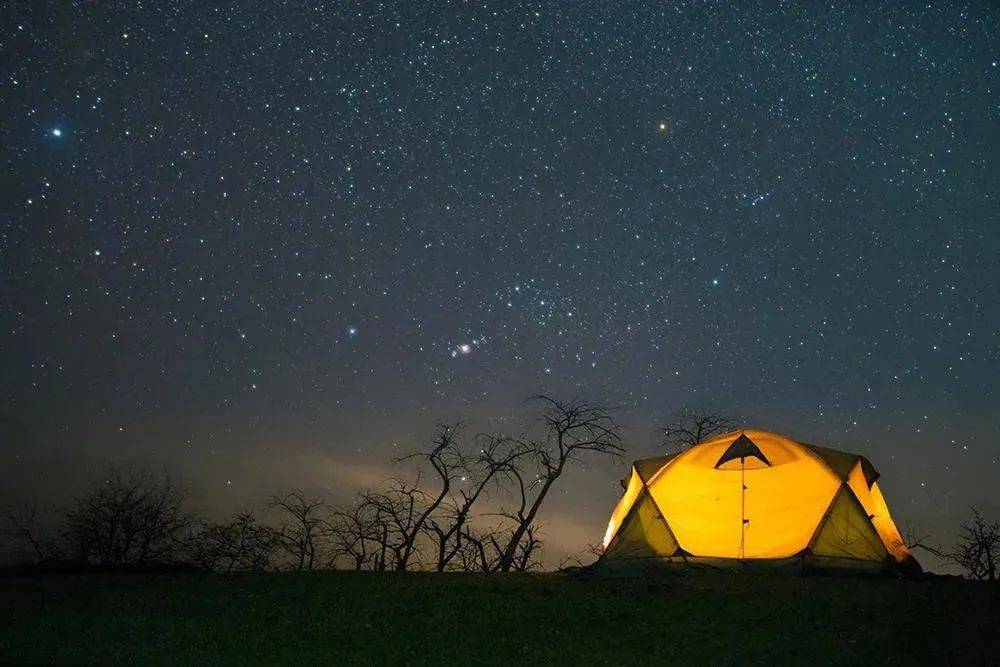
pixel 265 245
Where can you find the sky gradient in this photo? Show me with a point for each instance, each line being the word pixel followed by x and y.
pixel 265 245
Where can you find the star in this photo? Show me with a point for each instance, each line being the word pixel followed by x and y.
pixel 56 132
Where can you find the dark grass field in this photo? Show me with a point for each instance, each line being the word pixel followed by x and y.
pixel 360 618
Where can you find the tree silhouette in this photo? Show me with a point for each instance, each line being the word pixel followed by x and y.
pixel 689 427
pixel 302 531
pixel 570 431
pixel 240 544
pixel 128 519
pixel 978 547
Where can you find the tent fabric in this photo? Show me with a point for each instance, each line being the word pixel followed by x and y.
pixel 649 467
pixel 644 533
pixel 706 505
pixel 871 475
pixel 839 462
pixel 632 489
pixel 847 532
pixel 870 497
pixel 842 463
pixel 806 502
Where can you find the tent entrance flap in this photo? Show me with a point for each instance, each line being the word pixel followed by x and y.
pixel 742 448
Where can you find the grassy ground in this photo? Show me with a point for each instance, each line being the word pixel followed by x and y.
pixel 342 618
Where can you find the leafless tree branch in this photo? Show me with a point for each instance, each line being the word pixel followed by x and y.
pixel 689 427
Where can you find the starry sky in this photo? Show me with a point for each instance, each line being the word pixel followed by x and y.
pixel 265 244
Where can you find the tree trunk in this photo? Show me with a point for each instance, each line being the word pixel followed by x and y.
pixel 411 539
pixel 507 561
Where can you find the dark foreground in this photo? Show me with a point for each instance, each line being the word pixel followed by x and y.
pixel 341 617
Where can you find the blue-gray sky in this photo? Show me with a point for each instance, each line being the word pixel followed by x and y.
pixel 270 244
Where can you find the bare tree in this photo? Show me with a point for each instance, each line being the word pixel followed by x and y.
pixel 978 547
pixel 24 526
pixel 915 539
pixel 128 519
pixel 405 526
pixel 302 531
pixel 399 512
pixel 571 430
pixel 498 458
pixel 471 554
pixel 446 460
pixel 253 543
pixel 240 544
pixel 475 553
pixel 528 549
pixel 574 561
pixel 977 550
pixel 689 427
pixel 483 550
pixel 443 530
pixel 356 533
pixel 207 546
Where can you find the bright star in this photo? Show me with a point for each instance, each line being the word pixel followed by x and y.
pixel 465 348
pixel 56 132
pixel 352 331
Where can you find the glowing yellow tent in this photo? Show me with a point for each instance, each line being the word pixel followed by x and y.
pixel 756 498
